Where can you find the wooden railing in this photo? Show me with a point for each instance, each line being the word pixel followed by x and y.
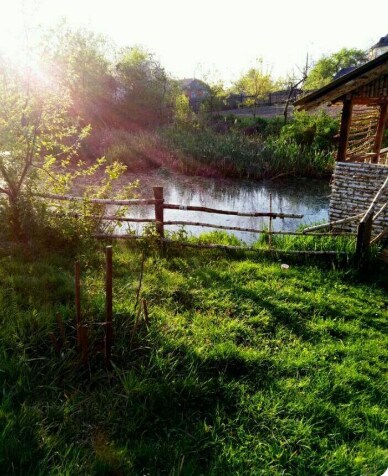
pixel 159 204
pixel 380 158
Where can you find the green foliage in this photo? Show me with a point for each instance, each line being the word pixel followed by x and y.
pixel 245 368
pixel 286 157
pixel 183 115
pixel 203 151
pixel 146 90
pixel 40 141
pixel 316 130
pixel 256 84
pixel 78 61
pixel 214 101
pixel 328 66
pixel 263 127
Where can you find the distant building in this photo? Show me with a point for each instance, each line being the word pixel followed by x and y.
pixel 344 71
pixel 379 48
pixel 196 91
pixel 376 50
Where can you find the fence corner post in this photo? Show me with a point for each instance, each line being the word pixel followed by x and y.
pixel 159 211
pixel 364 232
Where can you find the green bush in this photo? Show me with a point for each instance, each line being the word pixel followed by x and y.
pixel 316 130
pixel 264 127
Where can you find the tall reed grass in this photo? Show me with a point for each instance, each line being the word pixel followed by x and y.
pixel 234 154
pixel 199 150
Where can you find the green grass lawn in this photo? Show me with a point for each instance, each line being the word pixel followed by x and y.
pixel 244 368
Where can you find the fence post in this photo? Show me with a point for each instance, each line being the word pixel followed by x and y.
pixel 108 304
pixel 270 221
pixel 159 211
pixel 363 239
pixel 78 300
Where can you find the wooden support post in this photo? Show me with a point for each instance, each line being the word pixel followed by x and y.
pixel 78 300
pixel 108 304
pixel 363 239
pixel 159 211
pixel 380 131
pixel 270 221
pixel 84 333
pixel 344 130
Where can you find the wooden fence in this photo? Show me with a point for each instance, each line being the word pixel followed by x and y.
pixel 159 204
pixel 364 233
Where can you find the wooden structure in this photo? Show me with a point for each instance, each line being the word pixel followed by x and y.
pixel 363 93
pixel 362 164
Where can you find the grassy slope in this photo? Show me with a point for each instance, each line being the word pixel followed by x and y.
pixel 246 369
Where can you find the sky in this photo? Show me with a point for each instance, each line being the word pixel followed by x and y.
pixel 211 39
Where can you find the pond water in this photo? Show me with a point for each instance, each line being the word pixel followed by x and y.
pixel 307 197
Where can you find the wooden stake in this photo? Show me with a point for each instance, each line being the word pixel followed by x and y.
pixel 159 210
pixel 78 300
pixel 108 304
pixel 270 221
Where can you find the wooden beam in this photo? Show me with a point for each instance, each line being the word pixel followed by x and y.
pixel 369 101
pixel 344 131
pixel 380 131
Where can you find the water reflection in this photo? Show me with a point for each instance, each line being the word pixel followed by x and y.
pixel 300 196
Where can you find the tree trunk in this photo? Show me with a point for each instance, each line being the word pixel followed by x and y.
pixel 15 218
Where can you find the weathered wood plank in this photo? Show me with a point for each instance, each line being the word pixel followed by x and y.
pixel 229 212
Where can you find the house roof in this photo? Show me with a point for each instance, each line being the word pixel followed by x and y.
pixel 344 84
pixel 193 84
pixel 344 71
pixel 381 43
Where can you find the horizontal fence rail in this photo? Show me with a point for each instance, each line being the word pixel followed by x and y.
pixel 343 221
pixel 102 201
pixel 251 230
pixel 114 218
pixel 229 212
